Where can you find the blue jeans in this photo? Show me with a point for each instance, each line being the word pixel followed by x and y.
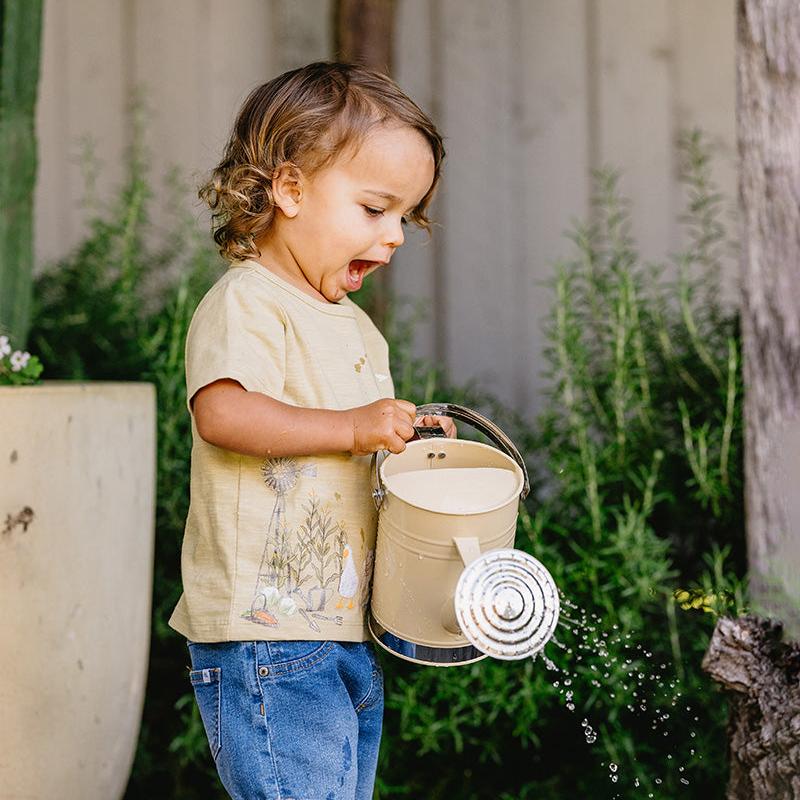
pixel 291 720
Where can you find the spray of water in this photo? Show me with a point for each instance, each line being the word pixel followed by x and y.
pixel 654 695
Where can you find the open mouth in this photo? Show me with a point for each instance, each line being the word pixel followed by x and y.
pixel 357 271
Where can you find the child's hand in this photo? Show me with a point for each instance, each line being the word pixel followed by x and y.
pixel 383 425
pixel 446 423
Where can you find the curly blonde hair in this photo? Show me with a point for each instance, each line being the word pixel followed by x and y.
pixel 306 117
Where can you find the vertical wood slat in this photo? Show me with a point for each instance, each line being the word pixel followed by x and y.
pixel 412 269
pixel 303 31
pixel 705 75
pixel 636 128
pixel 82 94
pixel 195 62
pixel 479 270
pixel 553 157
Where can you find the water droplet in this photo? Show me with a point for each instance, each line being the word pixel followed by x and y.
pixel 613 767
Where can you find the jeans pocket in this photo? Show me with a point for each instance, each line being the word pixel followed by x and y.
pixel 294 656
pixel 207 685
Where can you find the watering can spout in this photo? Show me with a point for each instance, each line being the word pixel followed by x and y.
pixel 506 604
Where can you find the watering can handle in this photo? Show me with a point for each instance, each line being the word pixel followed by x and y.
pixel 485 426
pixel 477 421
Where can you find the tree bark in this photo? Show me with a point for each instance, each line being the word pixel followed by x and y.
pixel 364 31
pixel 768 113
pixel 747 657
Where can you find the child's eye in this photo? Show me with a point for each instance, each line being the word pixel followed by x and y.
pixel 378 212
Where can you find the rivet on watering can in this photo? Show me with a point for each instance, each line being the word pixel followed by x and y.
pixel 440 455
pixel 431 455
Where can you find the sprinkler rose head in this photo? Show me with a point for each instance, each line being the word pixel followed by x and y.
pixel 506 604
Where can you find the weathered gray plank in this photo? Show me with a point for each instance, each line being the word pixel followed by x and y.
pixel 553 154
pixel 480 253
pixel 705 75
pixel 81 94
pixel 636 112
pixel 412 270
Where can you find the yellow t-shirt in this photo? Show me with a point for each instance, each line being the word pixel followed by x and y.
pixel 279 548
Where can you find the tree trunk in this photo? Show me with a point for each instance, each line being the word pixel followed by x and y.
pixel 364 31
pixel 747 657
pixel 768 108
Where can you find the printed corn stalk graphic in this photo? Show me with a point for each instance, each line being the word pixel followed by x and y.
pixel 322 538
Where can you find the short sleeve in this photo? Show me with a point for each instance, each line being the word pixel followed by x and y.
pixel 239 332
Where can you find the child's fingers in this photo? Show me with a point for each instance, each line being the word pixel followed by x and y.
pixel 396 444
pixel 408 408
pixel 446 423
pixel 404 429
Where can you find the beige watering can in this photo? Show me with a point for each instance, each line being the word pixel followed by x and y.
pixel 448 586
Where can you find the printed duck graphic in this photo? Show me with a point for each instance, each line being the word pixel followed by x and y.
pixel 348 582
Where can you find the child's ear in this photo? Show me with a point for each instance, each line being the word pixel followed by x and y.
pixel 287 188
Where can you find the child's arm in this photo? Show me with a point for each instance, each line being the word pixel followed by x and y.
pixel 254 424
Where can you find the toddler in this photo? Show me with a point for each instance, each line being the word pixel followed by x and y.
pixel 290 394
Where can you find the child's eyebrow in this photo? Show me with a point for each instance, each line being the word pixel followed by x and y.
pixel 386 195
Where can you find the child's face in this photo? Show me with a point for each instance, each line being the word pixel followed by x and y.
pixel 336 228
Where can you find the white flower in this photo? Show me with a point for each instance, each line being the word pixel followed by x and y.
pixel 287 606
pixel 5 347
pixel 19 360
pixel 271 597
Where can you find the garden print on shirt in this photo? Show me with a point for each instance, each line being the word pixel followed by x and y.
pixel 302 570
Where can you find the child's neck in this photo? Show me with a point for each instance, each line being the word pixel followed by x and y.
pixel 276 257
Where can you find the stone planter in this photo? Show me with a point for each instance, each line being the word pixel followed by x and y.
pixel 77 497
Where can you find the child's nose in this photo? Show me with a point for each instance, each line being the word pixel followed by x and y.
pixel 395 236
